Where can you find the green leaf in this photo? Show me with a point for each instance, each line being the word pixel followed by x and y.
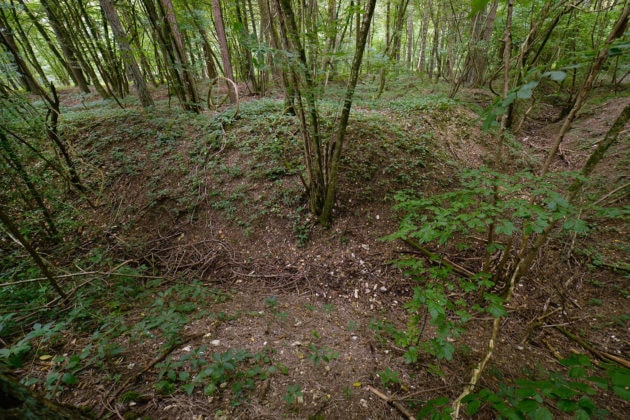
pixel 527 405
pixel 505 227
pixel 477 6
pixel 556 76
pixel 210 389
pixel 69 379
pixel 526 91
pixel 567 406
pixel 575 225
pixel 577 372
pixel 586 403
pixel 622 391
pixel 189 388
pixel 473 407
pixel 496 311
pixel 576 360
pixel 620 377
pixel 542 413
pixel 581 415
pixel 599 381
pixel 526 392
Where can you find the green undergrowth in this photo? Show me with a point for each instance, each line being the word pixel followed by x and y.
pixel 112 317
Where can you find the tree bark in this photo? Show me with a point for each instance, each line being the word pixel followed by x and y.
pixel 223 46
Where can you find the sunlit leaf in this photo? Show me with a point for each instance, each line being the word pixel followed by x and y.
pixel 556 76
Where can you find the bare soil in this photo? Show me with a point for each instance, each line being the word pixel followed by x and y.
pixel 189 205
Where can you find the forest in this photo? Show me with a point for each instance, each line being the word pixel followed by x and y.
pixel 266 209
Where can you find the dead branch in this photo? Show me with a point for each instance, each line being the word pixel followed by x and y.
pixel 397 405
pixel 439 259
pixel 599 354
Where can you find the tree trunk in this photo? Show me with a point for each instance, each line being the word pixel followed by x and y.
pixel 422 60
pixel 187 76
pixel 337 146
pixel 125 52
pixel 223 46
pixel 26 77
pixel 66 47
pixel 207 48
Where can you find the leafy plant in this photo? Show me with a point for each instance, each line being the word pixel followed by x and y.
pixel 388 377
pixel 294 395
pixel 321 354
pixel 238 369
pixel 570 392
pixel 14 356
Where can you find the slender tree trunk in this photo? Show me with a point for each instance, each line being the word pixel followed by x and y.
pixel 223 46
pixel 66 47
pixel 207 48
pixel 30 54
pixel 13 160
pixel 337 146
pixel 180 56
pixel 26 77
pixel 127 55
pixel 308 115
pixel 51 45
pixel 410 36
pixel 422 60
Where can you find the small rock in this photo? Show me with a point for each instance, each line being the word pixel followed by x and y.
pixel 215 342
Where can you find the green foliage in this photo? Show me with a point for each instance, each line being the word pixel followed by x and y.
pixel 388 377
pixel 14 355
pixel 420 103
pixel 571 392
pixel 294 395
pixel 525 203
pixel 321 354
pixel 237 369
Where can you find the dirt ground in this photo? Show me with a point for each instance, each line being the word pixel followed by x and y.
pixel 309 300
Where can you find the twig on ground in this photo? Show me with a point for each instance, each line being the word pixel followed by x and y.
pixel 599 354
pixel 397 405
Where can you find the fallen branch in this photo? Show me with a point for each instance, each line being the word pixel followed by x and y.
pixel 442 260
pixel 599 354
pixel 397 405
pixel 86 273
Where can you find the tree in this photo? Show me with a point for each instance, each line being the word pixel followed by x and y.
pixel 162 18
pixel 127 55
pixel 67 47
pixel 223 45
pixel 321 158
